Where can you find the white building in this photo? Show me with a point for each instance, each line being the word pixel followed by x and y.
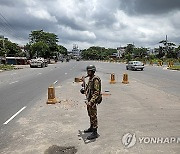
pixel 75 51
pixel 120 51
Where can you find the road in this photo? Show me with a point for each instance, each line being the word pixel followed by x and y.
pixel 22 89
pixel 158 77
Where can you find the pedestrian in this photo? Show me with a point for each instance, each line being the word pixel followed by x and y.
pixel 93 95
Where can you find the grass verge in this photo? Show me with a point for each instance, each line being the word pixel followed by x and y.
pixel 6 67
pixel 176 67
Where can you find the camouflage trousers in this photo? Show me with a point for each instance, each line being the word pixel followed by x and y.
pixel 92 112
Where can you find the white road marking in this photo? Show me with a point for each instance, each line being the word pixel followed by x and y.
pixel 164 68
pixel 13 82
pixel 13 73
pixel 14 115
pixel 39 73
pixel 65 73
pixel 55 82
pixel 173 70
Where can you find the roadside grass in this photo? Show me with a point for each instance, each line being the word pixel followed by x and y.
pixel 6 67
pixel 176 67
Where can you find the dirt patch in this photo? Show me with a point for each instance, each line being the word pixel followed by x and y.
pixel 60 150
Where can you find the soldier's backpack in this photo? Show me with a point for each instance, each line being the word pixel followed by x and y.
pixel 99 99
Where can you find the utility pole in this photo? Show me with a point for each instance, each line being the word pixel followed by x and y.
pixel 2 38
pixel 166 45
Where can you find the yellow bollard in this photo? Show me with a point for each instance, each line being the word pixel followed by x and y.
pixel 125 79
pixel 77 79
pixel 172 63
pixel 169 64
pixel 151 63
pixel 51 95
pixel 112 81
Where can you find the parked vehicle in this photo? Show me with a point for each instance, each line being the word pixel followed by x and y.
pixel 77 59
pixel 67 59
pixel 135 65
pixel 38 62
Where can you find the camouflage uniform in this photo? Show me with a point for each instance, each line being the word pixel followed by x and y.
pixel 92 91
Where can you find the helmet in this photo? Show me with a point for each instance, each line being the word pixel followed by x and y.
pixel 91 68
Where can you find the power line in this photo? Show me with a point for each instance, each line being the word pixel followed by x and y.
pixel 8 28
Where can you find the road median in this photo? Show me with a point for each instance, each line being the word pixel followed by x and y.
pixel 129 108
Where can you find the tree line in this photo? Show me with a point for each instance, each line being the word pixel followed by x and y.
pixel 45 44
pixel 165 50
pixel 41 44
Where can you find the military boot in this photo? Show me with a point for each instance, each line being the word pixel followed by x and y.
pixel 90 129
pixel 93 135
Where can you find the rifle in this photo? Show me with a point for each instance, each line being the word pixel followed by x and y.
pixel 83 84
pixel 83 89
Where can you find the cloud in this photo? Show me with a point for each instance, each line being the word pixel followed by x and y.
pixel 138 7
pixel 41 14
pixel 95 22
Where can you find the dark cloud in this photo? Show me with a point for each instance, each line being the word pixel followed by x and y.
pixel 135 7
pixel 7 3
pixel 97 22
pixel 69 22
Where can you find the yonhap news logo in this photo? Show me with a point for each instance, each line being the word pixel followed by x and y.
pixel 129 140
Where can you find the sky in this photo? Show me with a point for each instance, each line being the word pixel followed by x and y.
pixel 105 23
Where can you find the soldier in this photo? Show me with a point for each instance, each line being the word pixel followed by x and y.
pixel 93 92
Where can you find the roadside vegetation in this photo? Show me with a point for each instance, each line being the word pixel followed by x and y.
pixel 167 52
pixel 41 44
pixel 6 67
pixel 46 45
pixel 176 67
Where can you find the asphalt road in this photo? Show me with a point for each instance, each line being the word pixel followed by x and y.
pixel 22 88
pixel 158 77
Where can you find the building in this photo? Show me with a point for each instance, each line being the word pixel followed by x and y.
pixel 120 51
pixel 75 51
pixel 16 60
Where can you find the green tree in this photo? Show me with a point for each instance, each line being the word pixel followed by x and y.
pixel 96 52
pixel 62 50
pixel 47 40
pixel 41 36
pixel 9 48
pixel 140 52
pixel 129 49
pixel 40 49
pixel 168 49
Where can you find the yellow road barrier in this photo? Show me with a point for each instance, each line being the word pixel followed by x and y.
pixel 151 63
pixel 125 79
pixel 51 95
pixel 112 81
pixel 78 80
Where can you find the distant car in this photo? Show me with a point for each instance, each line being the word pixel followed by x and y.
pixel 77 59
pixel 38 62
pixel 135 65
pixel 67 59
